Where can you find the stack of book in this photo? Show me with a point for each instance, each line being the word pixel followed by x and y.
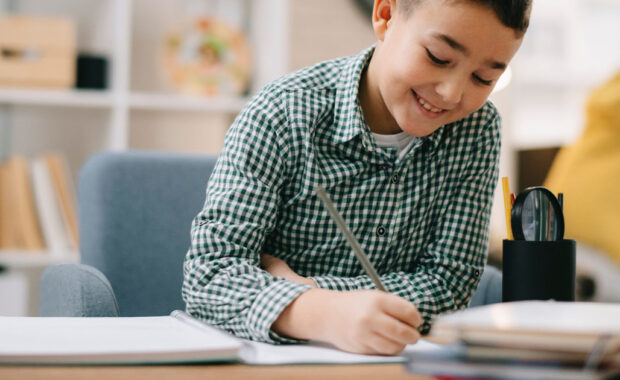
pixel 37 205
pixel 526 340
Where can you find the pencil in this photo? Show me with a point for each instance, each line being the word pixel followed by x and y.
pixel 359 252
pixel 507 206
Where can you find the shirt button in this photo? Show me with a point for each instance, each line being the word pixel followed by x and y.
pixel 395 178
pixel 476 273
pixel 381 231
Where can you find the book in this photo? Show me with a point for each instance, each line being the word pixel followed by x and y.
pixel 54 229
pixel 5 210
pixel 20 226
pixel 454 362
pixel 576 327
pixel 525 340
pixel 63 190
pixel 177 338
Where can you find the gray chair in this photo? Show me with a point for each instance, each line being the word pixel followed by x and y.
pixel 135 211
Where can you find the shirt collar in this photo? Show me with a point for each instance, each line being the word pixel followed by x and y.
pixel 348 115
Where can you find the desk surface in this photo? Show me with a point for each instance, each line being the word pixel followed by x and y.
pixel 205 372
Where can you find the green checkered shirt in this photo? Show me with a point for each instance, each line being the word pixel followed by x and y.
pixel 422 220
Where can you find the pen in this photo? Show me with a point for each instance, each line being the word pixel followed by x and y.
pixel 507 206
pixel 357 249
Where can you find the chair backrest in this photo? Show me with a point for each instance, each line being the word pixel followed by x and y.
pixel 135 212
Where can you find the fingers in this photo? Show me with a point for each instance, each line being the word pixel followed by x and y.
pixel 395 330
pixel 402 310
pixel 378 344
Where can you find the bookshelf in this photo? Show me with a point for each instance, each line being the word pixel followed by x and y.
pixel 138 104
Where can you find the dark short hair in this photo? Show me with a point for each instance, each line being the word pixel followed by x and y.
pixel 512 13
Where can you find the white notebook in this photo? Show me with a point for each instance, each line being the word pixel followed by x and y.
pixel 177 338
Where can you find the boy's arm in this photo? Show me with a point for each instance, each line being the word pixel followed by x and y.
pixel 223 283
pixel 450 267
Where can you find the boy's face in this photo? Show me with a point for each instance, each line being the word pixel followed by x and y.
pixel 439 63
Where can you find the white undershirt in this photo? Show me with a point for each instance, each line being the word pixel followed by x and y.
pixel 401 141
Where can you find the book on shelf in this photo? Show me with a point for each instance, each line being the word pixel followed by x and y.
pixel 176 338
pixel 54 231
pixel 6 232
pixel 19 224
pixel 63 186
pixel 37 205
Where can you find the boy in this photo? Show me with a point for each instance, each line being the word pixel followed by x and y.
pixel 403 142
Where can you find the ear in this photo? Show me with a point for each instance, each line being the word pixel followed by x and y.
pixel 382 13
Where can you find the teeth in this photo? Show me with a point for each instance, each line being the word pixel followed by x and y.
pixel 428 107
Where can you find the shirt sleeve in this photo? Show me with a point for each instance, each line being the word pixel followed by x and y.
pixel 223 282
pixel 451 264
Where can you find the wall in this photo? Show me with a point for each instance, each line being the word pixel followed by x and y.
pixel 324 29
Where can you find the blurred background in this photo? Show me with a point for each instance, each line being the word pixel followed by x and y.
pixel 82 76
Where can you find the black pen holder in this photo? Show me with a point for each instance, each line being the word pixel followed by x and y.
pixel 538 270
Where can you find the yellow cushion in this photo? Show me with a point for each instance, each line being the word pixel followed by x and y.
pixel 588 173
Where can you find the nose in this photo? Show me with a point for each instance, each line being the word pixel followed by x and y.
pixel 451 89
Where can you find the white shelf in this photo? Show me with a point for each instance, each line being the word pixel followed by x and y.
pixel 74 98
pixel 105 99
pixel 129 34
pixel 124 32
pixel 27 259
pixel 173 102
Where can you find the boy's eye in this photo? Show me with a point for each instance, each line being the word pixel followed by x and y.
pixel 482 81
pixel 435 59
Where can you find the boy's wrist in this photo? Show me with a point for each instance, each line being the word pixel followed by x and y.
pixel 305 317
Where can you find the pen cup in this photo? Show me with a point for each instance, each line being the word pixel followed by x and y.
pixel 538 270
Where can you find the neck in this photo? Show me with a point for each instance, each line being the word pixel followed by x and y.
pixel 377 115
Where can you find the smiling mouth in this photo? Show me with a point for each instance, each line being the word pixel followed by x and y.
pixel 427 105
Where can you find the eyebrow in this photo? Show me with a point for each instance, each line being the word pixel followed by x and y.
pixel 460 47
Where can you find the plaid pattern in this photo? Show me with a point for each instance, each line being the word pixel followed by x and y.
pixel 422 220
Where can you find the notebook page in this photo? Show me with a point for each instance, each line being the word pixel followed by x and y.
pixel 318 353
pixel 257 353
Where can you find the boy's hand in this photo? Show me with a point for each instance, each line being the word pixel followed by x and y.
pixel 362 321
pixel 279 268
pixel 371 322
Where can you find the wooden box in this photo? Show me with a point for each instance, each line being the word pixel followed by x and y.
pixel 37 52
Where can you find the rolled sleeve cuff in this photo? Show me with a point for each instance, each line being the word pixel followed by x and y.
pixel 268 306
pixel 343 283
